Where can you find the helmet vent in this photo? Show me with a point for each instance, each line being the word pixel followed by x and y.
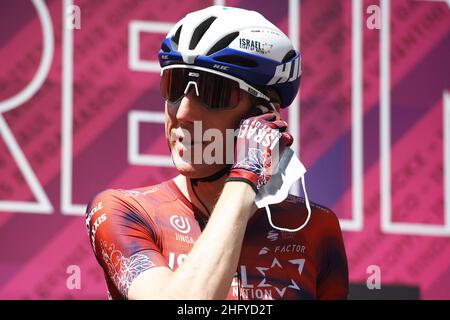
pixel 223 43
pixel 200 31
pixel 165 48
pixel 176 37
pixel 291 54
pixel 238 61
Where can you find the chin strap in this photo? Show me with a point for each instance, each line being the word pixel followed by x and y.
pixel 215 176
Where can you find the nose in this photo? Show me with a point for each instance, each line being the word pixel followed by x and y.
pixel 190 108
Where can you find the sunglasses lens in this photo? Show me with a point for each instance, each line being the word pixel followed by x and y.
pixel 173 83
pixel 215 91
pixel 219 92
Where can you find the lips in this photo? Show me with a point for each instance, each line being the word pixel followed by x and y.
pixel 186 144
pixel 179 135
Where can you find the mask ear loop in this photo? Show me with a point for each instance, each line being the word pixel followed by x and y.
pixel 269 215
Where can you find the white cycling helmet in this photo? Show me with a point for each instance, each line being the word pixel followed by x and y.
pixel 238 42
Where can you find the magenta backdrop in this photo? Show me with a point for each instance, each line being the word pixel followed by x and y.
pixel 36 249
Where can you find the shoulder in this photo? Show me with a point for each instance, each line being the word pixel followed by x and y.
pixel 125 203
pixel 131 197
pixel 119 211
pixel 105 196
pixel 104 199
pixel 107 200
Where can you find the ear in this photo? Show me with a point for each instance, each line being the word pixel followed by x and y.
pixel 273 107
pixel 275 100
pixel 277 108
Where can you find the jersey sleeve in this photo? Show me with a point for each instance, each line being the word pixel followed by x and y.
pixel 333 280
pixel 123 239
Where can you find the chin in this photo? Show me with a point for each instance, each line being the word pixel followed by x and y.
pixel 191 170
pixel 196 170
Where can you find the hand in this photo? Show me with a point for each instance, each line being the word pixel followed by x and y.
pixel 259 144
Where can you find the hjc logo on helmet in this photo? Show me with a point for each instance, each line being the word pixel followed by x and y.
pixel 283 72
pixel 220 67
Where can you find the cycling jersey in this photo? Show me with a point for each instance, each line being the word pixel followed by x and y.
pixel 134 230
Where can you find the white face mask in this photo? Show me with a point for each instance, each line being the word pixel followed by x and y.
pixel 289 170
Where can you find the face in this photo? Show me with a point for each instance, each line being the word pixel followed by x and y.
pixel 185 116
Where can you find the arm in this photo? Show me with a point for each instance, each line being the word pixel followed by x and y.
pixel 123 239
pixel 209 268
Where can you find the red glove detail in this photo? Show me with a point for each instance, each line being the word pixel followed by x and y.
pixel 258 149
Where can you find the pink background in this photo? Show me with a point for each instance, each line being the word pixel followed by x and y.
pixel 36 249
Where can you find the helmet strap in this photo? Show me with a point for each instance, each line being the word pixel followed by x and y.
pixel 213 177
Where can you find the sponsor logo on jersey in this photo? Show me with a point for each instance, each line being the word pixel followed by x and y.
pixel 272 235
pixel 136 193
pixel 94 209
pixel 89 214
pixel 265 289
pixel 184 238
pixel 264 250
pixel 181 224
pixel 131 193
pixel 246 290
pixel 290 248
pixel 178 258
pixel 95 226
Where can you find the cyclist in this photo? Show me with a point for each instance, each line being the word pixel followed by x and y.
pixel 200 235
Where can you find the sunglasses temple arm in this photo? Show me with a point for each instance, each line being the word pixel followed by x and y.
pixel 272 106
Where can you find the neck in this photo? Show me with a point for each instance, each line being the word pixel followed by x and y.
pixel 201 193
